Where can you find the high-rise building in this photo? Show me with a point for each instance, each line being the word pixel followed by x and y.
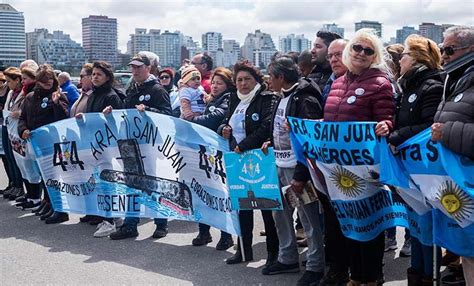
pixel 211 43
pixel 333 28
pixel 167 45
pixel 189 47
pixel 371 25
pixel 12 36
pixel 292 43
pixel 403 33
pixel 231 52
pixel 258 48
pixel 99 38
pixel 140 41
pixel 56 49
pixel 433 31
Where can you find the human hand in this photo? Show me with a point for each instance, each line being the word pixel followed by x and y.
pixel 437 131
pixel 226 132
pixel 107 110
pixel 381 129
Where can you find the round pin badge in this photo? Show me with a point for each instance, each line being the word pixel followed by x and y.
pixel 255 117
pixel 412 98
pixel 147 97
pixel 44 104
pixel 359 91
pixel 45 99
pixel 458 97
pixel 351 99
pixel 212 108
pixel 141 98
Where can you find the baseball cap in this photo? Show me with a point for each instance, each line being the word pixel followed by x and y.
pixel 139 60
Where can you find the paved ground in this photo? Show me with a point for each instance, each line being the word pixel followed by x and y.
pixel 32 253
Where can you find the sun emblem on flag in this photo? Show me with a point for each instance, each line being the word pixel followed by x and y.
pixel 455 201
pixel 347 182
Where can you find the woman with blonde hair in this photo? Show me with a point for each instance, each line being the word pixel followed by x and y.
pixel 421 87
pixel 364 93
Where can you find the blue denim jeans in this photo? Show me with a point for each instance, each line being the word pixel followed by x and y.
pixel 422 257
pixel 132 222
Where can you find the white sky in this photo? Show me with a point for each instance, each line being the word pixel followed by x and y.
pixel 234 19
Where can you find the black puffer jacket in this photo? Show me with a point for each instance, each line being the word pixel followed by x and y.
pixel 305 102
pixel 320 75
pixel 457 111
pixel 102 97
pixel 151 94
pixel 422 90
pixel 39 109
pixel 215 112
pixel 257 119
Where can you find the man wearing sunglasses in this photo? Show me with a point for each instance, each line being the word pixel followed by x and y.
pixel 454 121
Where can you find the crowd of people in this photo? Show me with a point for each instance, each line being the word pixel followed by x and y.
pixel 404 88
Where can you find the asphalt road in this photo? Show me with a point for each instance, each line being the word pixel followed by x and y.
pixel 33 253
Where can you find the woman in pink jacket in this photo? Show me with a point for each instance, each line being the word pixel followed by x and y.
pixel 364 93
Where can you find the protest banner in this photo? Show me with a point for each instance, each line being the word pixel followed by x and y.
pixel 129 163
pixel 347 154
pixel 253 180
pixel 432 168
pixel 22 151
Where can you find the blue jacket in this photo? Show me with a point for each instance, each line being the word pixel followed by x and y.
pixel 71 92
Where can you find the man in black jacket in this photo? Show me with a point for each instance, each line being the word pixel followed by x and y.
pixel 144 93
pixel 299 98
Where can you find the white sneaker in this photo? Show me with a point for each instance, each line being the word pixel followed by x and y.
pixel 105 229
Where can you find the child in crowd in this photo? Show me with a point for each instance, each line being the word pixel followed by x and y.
pixel 191 95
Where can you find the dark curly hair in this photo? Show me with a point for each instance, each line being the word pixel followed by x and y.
pixel 245 65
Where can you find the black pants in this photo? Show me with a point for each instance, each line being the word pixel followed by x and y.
pixel 366 259
pixel 246 226
pixel 335 243
pixel 33 191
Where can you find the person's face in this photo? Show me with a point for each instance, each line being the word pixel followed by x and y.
pixel 319 51
pixel 199 64
pixel 245 82
pixel 452 42
pixel 335 58
pixel 218 86
pixel 12 83
pixel 165 79
pixel 195 82
pixel 276 82
pixel 26 80
pixel 61 80
pixel 46 83
pixel 86 80
pixel 99 77
pixel 406 62
pixel 139 73
pixel 361 59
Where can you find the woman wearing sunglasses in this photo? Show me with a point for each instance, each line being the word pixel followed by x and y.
pixel 166 77
pixel 364 93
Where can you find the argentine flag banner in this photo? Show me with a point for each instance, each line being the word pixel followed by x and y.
pixel 445 179
pixel 130 163
pixel 348 156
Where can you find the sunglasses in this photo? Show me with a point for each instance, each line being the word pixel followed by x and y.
pixel 336 55
pixel 164 77
pixel 450 50
pixel 360 48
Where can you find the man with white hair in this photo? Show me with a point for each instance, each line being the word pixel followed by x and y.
pixel 68 88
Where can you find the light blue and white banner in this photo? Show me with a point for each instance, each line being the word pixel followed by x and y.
pixel 22 151
pixel 136 164
pixel 445 180
pixel 253 180
pixel 348 155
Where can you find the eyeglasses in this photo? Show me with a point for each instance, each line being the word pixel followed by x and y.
pixel 336 55
pixel 450 50
pixel 360 48
pixel 193 63
pixel 163 77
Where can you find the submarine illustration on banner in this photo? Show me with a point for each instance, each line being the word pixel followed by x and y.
pixel 172 194
pixel 255 203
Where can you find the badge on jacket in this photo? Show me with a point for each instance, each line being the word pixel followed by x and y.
pixel 458 97
pixel 351 99
pixel 412 98
pixel 141 98
pixel 255 117
pixel 212 108
pixel 359 91
pixel 147 97
pixel 45 102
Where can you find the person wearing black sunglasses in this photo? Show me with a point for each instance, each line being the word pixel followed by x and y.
pixel 363 93
pixel 456 43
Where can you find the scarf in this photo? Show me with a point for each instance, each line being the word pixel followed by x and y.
pixel 247 98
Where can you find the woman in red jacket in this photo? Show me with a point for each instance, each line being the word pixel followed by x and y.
pixel 364 93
